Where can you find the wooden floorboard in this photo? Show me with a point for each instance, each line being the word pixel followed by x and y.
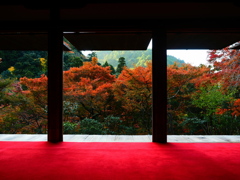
pixel 123 138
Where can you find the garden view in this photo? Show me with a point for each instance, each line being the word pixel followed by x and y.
pixel 110 93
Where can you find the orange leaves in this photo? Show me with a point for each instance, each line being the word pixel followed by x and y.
pixel 86 86
pixel 36 84
pixel 91 87
pixel 94 60
pixel 221 111
pixel 36 88
pixel 141 76
pixel 90 71
pixel 236 108
pixel 227 66
pixel 180 77
pixel 86 79
pixel 133 88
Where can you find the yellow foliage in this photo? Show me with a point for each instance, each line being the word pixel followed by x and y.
pixel 11 69
pixel 43 61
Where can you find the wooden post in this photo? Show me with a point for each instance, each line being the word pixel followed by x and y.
pixel 159 91
pixel 55 82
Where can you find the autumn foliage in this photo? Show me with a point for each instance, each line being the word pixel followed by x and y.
pixel 201 100
pixel 133 90
pixel 226 64
pixel 91 86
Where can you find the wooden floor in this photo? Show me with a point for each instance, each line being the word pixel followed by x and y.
pixel 122 138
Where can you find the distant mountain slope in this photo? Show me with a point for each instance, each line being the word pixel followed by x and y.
pixel 132 58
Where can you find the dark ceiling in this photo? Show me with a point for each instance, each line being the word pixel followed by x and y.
pixel 189 24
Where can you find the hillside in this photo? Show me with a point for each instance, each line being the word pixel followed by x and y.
pixel 133 58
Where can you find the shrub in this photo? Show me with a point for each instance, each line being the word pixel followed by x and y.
pixel 70 128
pixel 113 125
pixel 91 126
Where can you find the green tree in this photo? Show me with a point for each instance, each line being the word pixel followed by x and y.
pixel 121 65
pixel 71 60
pixel 91 55
pixel 9 58
pixel 28 66
pixel 208 100
pixel 25 63
pixel 111 67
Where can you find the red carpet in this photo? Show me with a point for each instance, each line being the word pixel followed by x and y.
pixel 119 161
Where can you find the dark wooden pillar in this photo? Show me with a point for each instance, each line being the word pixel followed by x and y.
pixel 55 75
pixel 159 94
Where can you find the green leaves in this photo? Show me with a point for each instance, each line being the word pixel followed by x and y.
pixel 210 98
pixel 91 126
